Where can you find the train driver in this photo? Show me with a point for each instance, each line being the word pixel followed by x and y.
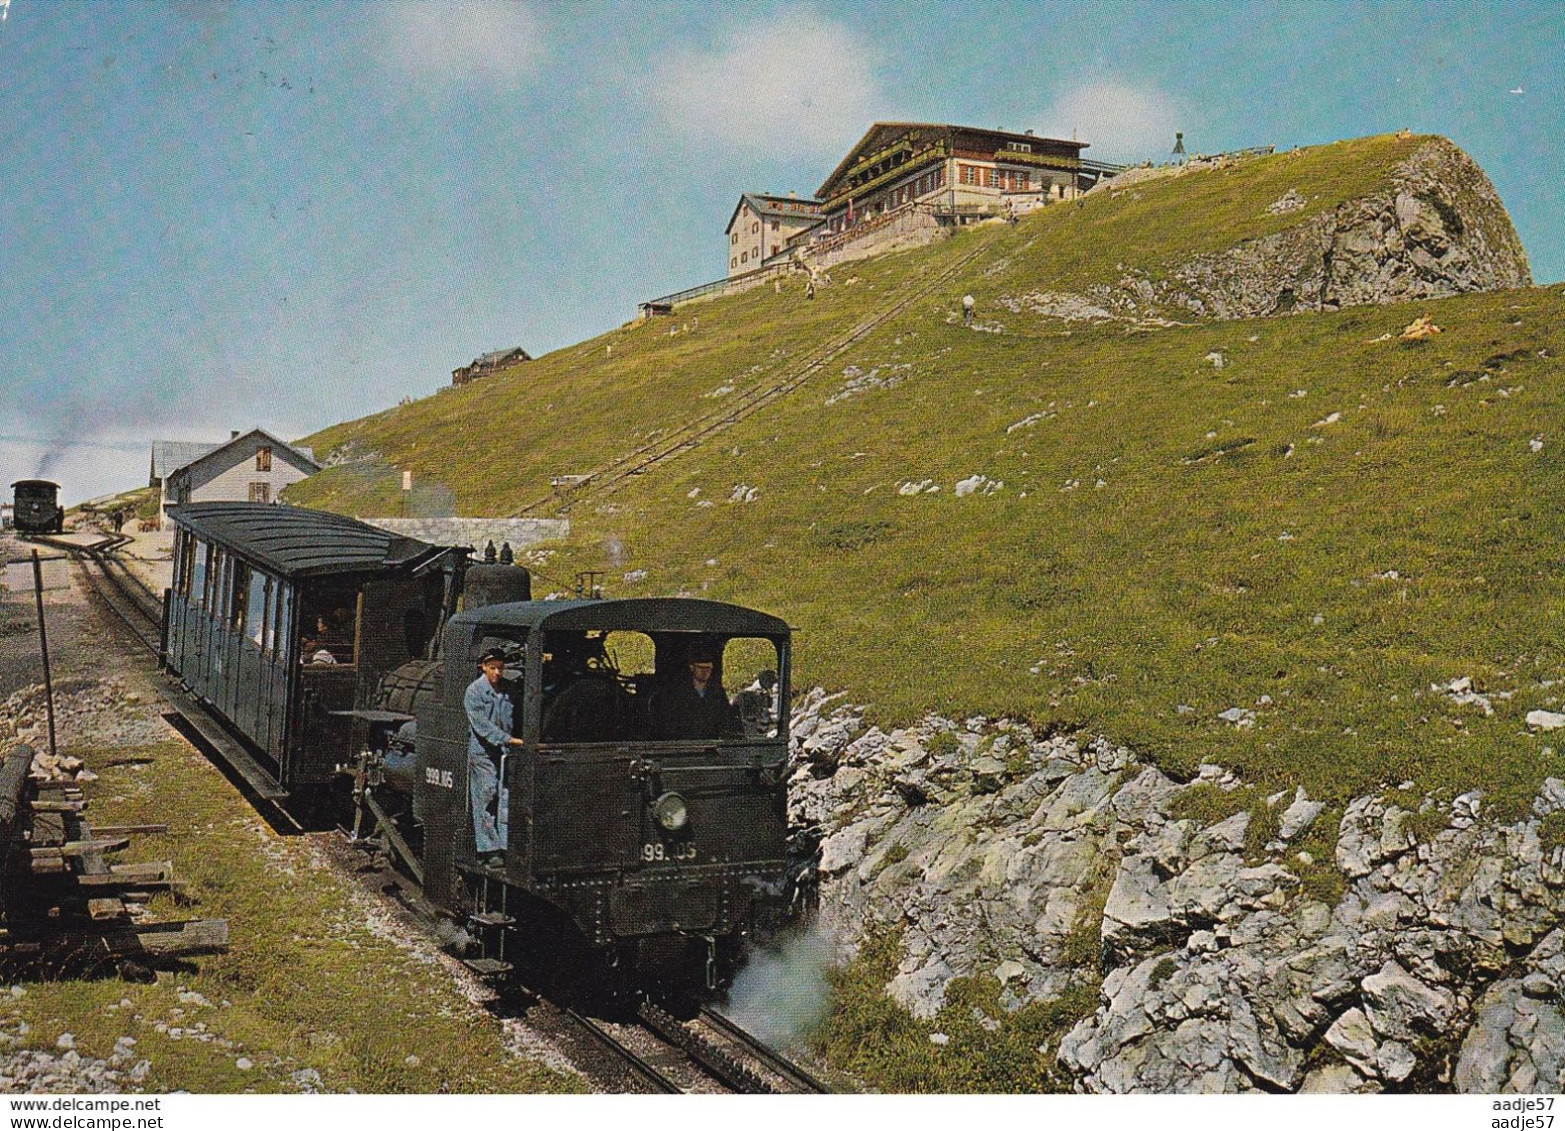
pixel 699 707
pixel 489 715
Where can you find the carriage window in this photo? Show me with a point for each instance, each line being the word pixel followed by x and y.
pixel 212 584
pixel 283 609
pixel 239 595
pixel 195 583
pixel 223 564
pixel 255 607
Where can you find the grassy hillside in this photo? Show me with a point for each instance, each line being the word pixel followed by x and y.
pixel 1316 531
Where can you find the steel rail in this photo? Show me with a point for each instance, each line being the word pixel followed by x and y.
pixel 773 1060
pixel 751 400
pixel 632 1059
pixel 103 579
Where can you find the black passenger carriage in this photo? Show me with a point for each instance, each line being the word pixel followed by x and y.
pixel 279 617
pixel 659 831
pixel 36 507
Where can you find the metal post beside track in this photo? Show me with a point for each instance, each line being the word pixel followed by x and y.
pixel 43 643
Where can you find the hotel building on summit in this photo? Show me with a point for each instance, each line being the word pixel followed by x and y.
pixel 950 174
pixel 957 172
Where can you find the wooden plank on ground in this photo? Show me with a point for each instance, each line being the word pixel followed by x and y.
pixel 130 875
pixel 196 936
pixel 48 828
pixel 88 847
pixel 57 806
pixel 106 908
pixel 129 830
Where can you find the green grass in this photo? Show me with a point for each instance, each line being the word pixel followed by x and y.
pixel 978 1045
pixel 1240 550
pixel 306 985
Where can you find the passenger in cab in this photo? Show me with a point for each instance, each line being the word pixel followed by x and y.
pixel 321 645
pixel 698 707
pixel 489 715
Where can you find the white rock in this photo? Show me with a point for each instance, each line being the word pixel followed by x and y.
pixel 244 1064
pixel 1241 717
pixel 1545 720
pixel 1300 815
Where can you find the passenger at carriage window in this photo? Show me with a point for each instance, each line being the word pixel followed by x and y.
pixel 487 702
pixel 699 707
pixel 324 645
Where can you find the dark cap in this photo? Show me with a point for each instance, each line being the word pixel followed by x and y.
pixel 491 654
pixel 701 654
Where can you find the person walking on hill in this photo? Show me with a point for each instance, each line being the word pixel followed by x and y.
pixel 967 310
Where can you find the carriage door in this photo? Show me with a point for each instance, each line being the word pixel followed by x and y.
pixel 328 654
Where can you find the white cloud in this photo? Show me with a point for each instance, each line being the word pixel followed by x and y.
pixel 795 84
pixel 488 41
pixel 1120 121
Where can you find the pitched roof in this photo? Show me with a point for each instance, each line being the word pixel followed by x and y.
pixel 884 133
pixel 296 542
pixel 765 204
pixel 303 455
pixel 171 455
pixel 494 357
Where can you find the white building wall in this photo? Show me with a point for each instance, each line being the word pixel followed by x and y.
pixel 227 477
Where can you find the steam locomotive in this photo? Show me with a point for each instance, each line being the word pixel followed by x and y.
pixel 336 656
pixel 37 508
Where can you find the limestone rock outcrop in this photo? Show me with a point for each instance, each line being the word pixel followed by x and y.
pixel 1044 862
pixel 1438 230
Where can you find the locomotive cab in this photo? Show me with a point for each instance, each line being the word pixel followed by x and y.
pixel 645 800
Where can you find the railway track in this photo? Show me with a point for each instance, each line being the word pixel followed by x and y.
pixel 662 1053
pixel 745 403
pixel 119 590
pixel 652 1052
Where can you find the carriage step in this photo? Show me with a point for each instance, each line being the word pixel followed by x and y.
pixel 488 967
pixel 492 919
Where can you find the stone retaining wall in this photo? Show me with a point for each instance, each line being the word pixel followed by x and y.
pixel 477 532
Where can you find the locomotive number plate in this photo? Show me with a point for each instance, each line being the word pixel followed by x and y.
pixel 442 778
pixel 657 851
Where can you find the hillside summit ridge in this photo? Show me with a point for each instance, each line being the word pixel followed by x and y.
pixel 1438 230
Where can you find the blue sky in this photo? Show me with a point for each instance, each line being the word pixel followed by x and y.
pixel 222 215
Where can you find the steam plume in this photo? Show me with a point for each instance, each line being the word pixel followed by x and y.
pixel 781 994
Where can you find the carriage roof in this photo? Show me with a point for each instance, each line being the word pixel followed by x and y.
pixel 639 614
pixel 294 542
